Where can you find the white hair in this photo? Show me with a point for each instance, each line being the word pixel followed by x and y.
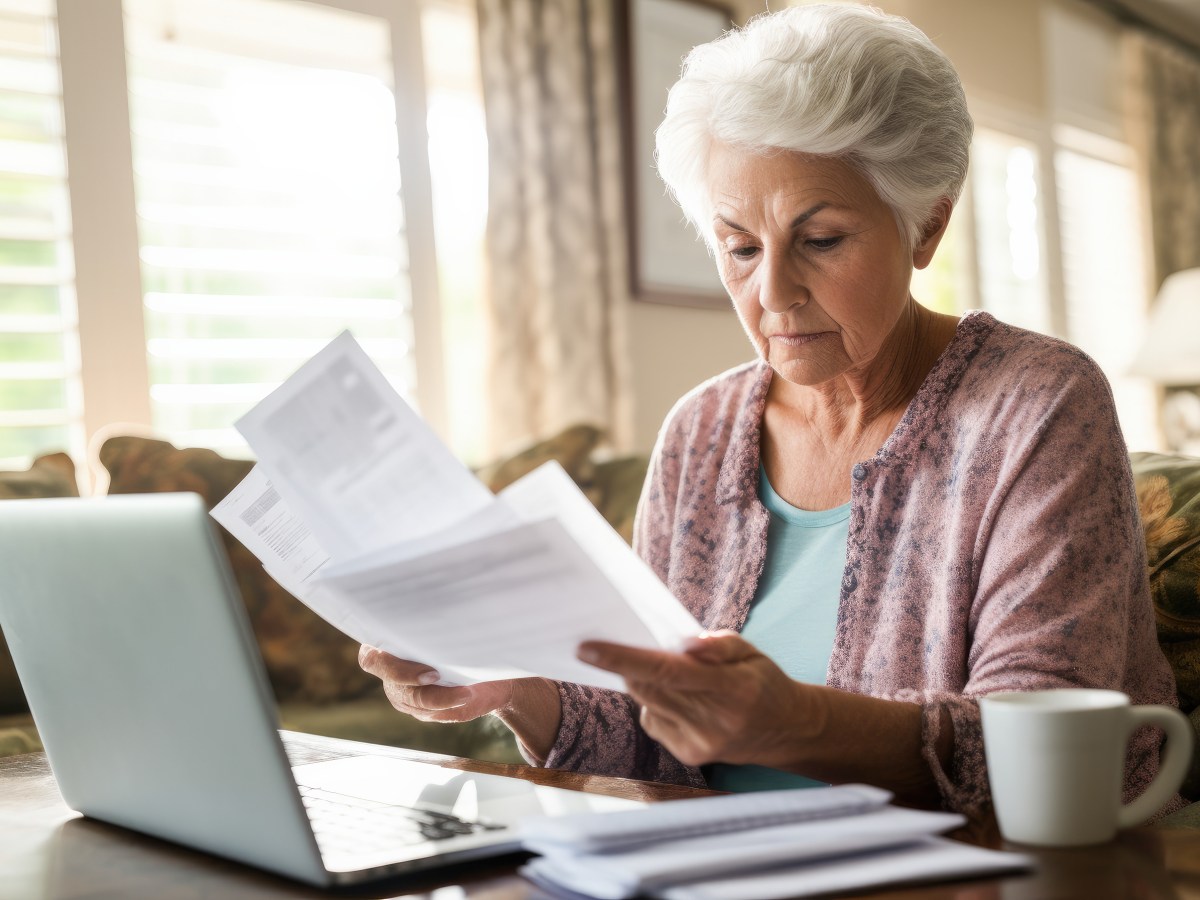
pixel 847 82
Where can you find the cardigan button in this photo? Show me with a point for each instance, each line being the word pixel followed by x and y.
pixel 859 472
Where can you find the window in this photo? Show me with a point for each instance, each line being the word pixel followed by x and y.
pixel 247 179
pixel 267 182
pixel 40 399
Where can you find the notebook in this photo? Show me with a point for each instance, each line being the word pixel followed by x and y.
pixel 146 686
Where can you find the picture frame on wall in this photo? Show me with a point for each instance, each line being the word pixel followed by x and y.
pixel 668 261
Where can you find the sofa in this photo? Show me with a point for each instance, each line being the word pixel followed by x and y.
pixel 313 668
pixel 1168 489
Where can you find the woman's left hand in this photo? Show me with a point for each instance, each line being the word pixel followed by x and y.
pixel 720 700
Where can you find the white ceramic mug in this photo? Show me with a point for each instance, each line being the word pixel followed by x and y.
pixel 1056 763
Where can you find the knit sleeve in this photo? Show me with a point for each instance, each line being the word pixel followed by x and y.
pixel 600 735
pixel 1061 598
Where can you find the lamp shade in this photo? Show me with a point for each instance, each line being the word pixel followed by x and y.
pixel 1170 353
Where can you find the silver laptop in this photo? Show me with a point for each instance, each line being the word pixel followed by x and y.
pixel 148 691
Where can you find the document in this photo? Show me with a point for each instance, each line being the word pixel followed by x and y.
pixel 357 509
pixel 508 605
pixel 549 491
pixel 255 514
pixel 923 861
pixel 353 460
pixel 748 846
pixel 701 817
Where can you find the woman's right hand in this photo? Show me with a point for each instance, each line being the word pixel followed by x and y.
pixel 530 707
pixel 413 689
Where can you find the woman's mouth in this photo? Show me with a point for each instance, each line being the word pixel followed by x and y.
pixel 795 339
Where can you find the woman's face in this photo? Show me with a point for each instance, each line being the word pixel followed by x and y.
pixel 812 258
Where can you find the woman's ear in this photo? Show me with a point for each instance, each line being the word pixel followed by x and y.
pixel 931 234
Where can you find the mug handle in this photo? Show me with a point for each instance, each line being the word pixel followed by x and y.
pixel 1171 771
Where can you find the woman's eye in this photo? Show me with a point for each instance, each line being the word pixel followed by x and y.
pixel 743 252
pixel 824 243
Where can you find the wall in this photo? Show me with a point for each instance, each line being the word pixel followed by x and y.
pixel 996 47
pixel 673 349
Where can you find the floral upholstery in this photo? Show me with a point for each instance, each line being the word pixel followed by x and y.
pixel 49 476
pixel 1169 496
pixel 1168 490
pixel 572 449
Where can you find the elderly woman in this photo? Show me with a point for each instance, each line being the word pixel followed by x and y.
pixel 892 511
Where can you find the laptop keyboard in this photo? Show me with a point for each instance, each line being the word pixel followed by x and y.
pixel 345 824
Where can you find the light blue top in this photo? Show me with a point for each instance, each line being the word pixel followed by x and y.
pixel 794 614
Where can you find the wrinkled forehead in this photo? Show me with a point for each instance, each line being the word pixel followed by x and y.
pixel 742 180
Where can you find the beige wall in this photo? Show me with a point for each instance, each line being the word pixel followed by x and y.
pixel 996 47
pixel 672 350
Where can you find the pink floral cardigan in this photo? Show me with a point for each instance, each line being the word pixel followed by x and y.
pixel 994 545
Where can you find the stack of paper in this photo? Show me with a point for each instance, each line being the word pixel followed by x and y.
pixel 358 509
pixel 749 846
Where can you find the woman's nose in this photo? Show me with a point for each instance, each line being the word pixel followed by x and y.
pixel 780 286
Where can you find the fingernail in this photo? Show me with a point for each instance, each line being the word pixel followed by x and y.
pixel 430 677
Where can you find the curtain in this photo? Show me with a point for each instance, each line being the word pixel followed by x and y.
pixel 556 254
pixel 1165 106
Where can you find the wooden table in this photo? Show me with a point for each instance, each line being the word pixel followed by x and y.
pixel 46 850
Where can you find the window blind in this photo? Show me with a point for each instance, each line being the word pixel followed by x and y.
pixel 267 184
pixel 40 397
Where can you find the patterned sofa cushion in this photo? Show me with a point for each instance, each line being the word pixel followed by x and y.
pixel 306 658
pixel 571 448
pixel 49 476
pixel 1169 497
